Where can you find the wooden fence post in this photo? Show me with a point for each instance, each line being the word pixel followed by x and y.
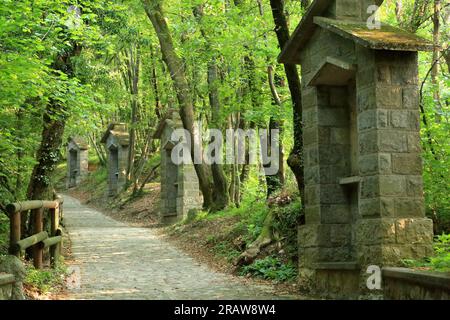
pixel 14 232
pixel 54 217
pixel 38 215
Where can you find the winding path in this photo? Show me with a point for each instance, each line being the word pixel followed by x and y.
pixel 112 260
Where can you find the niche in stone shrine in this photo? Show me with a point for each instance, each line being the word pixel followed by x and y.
pixel 338 141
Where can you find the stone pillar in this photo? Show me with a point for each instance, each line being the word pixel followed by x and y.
pixel 391 224
pixel 188 190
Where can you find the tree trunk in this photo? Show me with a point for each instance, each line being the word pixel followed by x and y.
pixel 275 182
pixel 435 62
pixel 54 121
pixel 220 195
pixel 295 159
pixel 175 65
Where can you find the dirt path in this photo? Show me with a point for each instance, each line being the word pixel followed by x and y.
pixel 112 260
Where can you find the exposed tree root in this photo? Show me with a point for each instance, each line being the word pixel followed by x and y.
pixel 264 239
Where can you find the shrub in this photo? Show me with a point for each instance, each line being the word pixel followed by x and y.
pixel 271 268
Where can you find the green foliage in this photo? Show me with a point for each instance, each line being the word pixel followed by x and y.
pixel 4 233
pixel 225 249
pixel 271 268
pixel 46 280
pixel 440 261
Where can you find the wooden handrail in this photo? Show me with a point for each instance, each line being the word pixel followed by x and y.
pixel 40 240
pixel 32 205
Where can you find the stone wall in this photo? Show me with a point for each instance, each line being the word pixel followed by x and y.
pixel 407 284
pixel 12 274
pixel 6 286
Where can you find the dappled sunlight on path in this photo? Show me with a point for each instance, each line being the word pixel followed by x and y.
pixel 116 261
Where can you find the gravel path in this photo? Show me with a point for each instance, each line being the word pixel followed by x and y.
pixel 112 260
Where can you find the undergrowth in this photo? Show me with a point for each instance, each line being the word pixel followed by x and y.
pixel 271 268
pixel 440 261
pixel 46 280
pixel 278 261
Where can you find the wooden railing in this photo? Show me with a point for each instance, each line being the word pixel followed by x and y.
pixel 40 240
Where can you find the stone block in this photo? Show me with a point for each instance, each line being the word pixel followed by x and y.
pixel 392 185
pixel 414 231
pixel 340 136
pixel 387 207
pixel 409 207
pixel 332 174
pixel 375 231
pixel 411 98
pixel 414 186
pixel 404 73
pixel 308 235
pixel 400 119
pixel 383 73
pixel 375 163
pixel 335 254
pixel 414 142
pixel 335 214
pixel 368 164
pixel 333 117
pixel 366 99
pixel 310 136
pixel 366 77
pixel 312 214
pixel 392 141
pixel 332 154
pixel 368 142
pixel 340 234
pixel 312 175
pixel 311 156
pixel 372 119
pixel 333 194
pixel 312 194
pixel 369 187
pixel 369 207
pixel 310 118
pixel 309 98
pixel 389 97
pixel 325 135
pixel 407 164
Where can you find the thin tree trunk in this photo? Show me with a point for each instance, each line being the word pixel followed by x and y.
pixel 220 196
pixel 295 159
pixel 435 62
pixel 175 65
pixel 100 154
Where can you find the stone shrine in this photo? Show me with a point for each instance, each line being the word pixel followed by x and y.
pixel 179 183
pixel 116 140
pixel 77 161
pixel 364 203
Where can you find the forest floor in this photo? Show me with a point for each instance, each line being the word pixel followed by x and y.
pixel 114 260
